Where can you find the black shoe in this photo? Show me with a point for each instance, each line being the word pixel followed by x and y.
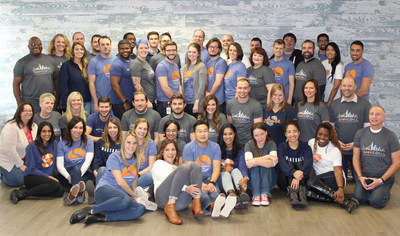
pixel 18 194
pixel 293 196
pixel 79 215
pixel 95 218
pixel 350 204
pixel 302 196
pixel 244 199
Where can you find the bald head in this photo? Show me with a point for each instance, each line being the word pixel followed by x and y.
pixel 348 87
pixel 376 117
pixel 199 36
pixel 227 40
pixel 35 46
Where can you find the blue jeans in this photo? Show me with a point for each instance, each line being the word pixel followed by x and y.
pixel 145 180
pixel 116 204
pixel 100 173
pixel 75 173
pixel 208 198
pixel 14 178
pixel 345 165
pixel 262 180
pixel 377 197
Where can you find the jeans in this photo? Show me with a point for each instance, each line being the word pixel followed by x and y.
pixel 100 173
pixel 378 197
pixel 14 178
pixel 262 180
pixel 145 180
pixel 116 204
pixel 38 185
pixel 230 181
pixel 75 173
pixel 172 186
pixel 345 164
pixel 208 198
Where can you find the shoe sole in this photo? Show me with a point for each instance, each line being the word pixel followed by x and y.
pixel 90 191
pixel 72 192
pixel 219 202
pixel 230 203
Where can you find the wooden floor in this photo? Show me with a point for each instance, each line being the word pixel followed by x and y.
pixel 50 217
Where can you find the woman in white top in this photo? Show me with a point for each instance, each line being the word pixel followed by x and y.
pixel 334 74
pixel 174 186
pixel 327 182
pixel 15 136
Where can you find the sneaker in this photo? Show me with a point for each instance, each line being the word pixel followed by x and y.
pixel 139 192
pixel 218 204
pixel 264 200
pixel 150 206
pixel 230 203
pixel 256 201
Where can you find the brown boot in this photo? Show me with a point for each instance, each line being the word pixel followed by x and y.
pixel 171 214
pixel 196 208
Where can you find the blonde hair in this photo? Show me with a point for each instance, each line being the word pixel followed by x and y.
pixel 67 50
pixel 68 113
pixel 136 153
pixel 277 87
pixel 106 137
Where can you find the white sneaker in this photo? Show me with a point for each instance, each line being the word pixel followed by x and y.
pixel 139 192
pixel 151 206
pixel 219 202
pixel 230 203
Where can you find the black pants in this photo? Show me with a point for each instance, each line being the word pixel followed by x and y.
pixel 42 186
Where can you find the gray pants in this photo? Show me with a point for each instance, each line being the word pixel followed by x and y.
pixel 172 186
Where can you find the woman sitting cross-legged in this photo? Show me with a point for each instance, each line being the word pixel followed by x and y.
pixel 175 185
pixel 115 193
pixel 39 180
pixel 327 184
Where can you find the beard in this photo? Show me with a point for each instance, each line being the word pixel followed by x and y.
pixel 307 55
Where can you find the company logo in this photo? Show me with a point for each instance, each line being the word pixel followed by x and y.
pixel 130 171
pixel 41 69
pixel 305 115
pixel 373 150
pixel 228 74
pixel 210 71
pixel 106 69
pixel 351 73
pixel 175 75
pixel 252 80
pixel 278 71
pixel 203 160
pixel 47 160
pixel 301 75
pixel 241 117
pixel 271 120
pixel 77 153
pixel 347 117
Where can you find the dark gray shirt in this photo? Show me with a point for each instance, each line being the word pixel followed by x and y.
pixel 129 118
pixel 311 69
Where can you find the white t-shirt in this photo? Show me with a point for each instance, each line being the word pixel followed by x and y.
pixel 325 158
pixel 329 81
pixel 161 170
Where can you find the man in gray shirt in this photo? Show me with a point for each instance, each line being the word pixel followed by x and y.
pixel 348 114
pixel 47 101
pixel 186 121
pixel 156 59
pixel 376 159
pixel 35 74
pixel 140 110
pixel 309 68
pixel 243 111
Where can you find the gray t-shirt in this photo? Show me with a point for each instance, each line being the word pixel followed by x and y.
pixel 376 151
pixel 156 59
pixel 243 115
pixel 186 123
pixel 268 147
pixel 59 61
pixel 258 79
pixel 143 70
pixel 213 133
pixel 349 117
pixel 311 69
pixel 53 119
pixel 309 117
pixel 63 123
pixel 37 74
pixel 129 118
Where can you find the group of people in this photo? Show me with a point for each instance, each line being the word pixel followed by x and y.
pixel 138 131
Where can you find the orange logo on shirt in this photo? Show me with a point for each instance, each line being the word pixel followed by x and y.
pixel 175 75
pixel 228 74
pixel 106 69
pixel 187 75
pixel 351 73
pixel 76 153
pixel 316 157
pixel 143 157
pixel 47 160
pixel 278 71
pixel 210 71
pixel 128 172
pixel 203 160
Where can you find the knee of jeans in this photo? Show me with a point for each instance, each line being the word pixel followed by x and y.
pixel 378 203
pixel 141 209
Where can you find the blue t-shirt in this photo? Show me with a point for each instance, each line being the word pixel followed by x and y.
pixel 171 71
pixel 76 154
pixel 282 69
pixel 115 162
pixel 203 156
pixel 150 151
pixel 214 67
pixel 100 67
pixel 235 70
pixel 364 69
pixel 275 123
pixel 94 122
pixel 188 84
pixel 39 164
pixel 121 69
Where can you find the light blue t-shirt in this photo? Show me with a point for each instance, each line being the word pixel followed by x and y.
pixel 364 69
pixel 121 68
pixel 235 70
pixel 76 154
pixel 150 151
pixel 214 67
pixel 171 71
pixel 282 70
pixel 100 67
pixel 203 156
pixel 188 84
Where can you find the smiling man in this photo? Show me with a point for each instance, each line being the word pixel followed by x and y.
pixel 153 39
pixel 121 81
pixel 360 69
pixel 97 121
pixel 47 101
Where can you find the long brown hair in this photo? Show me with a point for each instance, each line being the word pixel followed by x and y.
pixel 162 148
pixel 317 92
pixel 17 116
pixel 261 126
pixel 332 136
pixel 84 60
pixel 203 112
pixel 52 49
pixel 188 63
pixel 67 133
pixel 106 137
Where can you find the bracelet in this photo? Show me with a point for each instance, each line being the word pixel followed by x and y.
pixel 340 186
pixel 381 181
pixel 212 182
